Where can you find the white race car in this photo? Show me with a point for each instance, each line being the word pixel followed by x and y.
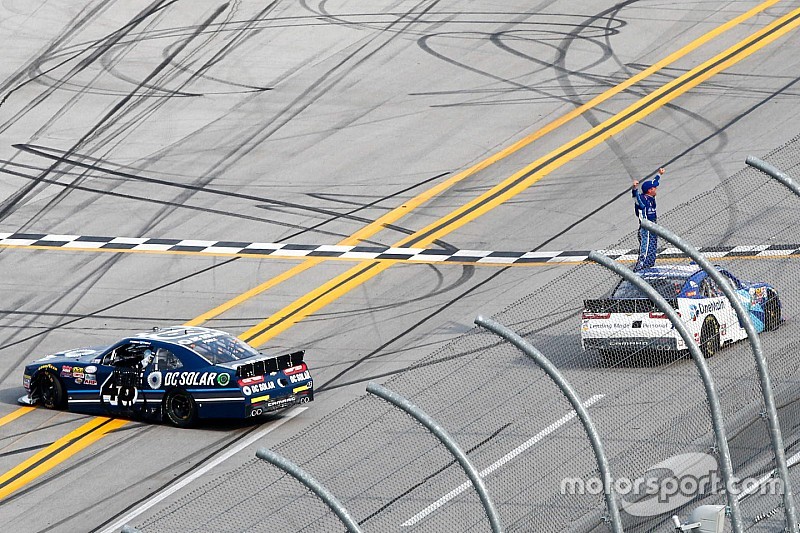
pixel 627 322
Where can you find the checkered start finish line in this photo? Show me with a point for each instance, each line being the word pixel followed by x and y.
pixel 360 253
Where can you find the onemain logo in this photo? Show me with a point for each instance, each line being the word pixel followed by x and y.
pixel 713 306
pixel 668 485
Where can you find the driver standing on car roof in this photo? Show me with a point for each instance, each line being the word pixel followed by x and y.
pixel 645 207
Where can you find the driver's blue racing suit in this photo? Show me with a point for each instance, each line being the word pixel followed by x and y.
pixel 645 207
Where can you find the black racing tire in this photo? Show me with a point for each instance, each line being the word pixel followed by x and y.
pixel 709 337
pixel 772 312
pixel 50 390
pixel 179 409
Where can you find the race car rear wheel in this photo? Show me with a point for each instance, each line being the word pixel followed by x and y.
pixel 772 312
pixel 709 337
pixel 180 409
pixel 49 390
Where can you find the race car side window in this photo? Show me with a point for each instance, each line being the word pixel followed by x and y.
pixel 116 355
pixel 129 355
pixel 166 360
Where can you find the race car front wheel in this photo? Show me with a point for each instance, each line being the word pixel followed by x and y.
pixel 772 312
pixel 49 390
pixel 709 337
pixel 179 409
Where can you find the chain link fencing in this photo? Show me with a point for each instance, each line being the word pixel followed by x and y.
pixel 648 405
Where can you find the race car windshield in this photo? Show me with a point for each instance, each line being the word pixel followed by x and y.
pixel 223 349
pixel 668 287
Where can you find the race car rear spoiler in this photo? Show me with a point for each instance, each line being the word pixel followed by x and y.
pixel 269 365
pixel 619 305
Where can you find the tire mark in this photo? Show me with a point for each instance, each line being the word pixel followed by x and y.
pixel 677 157
pixel 131 101
pixel 324 83
pixel 308 97
pixel 328 384
pixel 248 32
pixel 101 46
pixel 176 205
pixel 153 318
pixel 98 47
pixel 564 79
pixel 568 88
pixel 77 317
pixel 467 272
pixel 75 161
pixel 82 19
pixel 221 54
pixel 8 205
pixel 232 155
pixel 244 34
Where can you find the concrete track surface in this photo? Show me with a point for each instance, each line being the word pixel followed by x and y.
pixel 461 125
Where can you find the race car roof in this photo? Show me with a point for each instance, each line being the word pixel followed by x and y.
pixel 671 271
pixel 174 334
pixel 213 345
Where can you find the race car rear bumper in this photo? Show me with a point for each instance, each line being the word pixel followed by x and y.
pixel 279 403
pixel 630 344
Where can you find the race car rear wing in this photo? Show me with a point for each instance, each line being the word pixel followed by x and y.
pixel 630 305
pixel 269 365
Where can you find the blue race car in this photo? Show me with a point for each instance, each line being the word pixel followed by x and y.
pixel 626 321
pixel 177 374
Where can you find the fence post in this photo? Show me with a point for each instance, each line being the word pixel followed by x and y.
pixel 420 416
pixel 770 170
pixel 761 364
pixel 303 477
pixel 717 420
pixel 583 414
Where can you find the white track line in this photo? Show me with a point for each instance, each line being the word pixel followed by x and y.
pixel 115 527
pixel 754 488
pixel 500 462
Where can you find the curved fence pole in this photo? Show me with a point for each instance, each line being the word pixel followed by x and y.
pixel 717 420
pixel 770 170
pixel 303 477
pixel 420 416
pixel 761 364
pixel 583 414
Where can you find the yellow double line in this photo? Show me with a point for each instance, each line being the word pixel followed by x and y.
pixel 311 302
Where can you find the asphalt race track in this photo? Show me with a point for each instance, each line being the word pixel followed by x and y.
pixel 491 126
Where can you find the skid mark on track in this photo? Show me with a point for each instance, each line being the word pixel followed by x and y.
pixel 8 206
